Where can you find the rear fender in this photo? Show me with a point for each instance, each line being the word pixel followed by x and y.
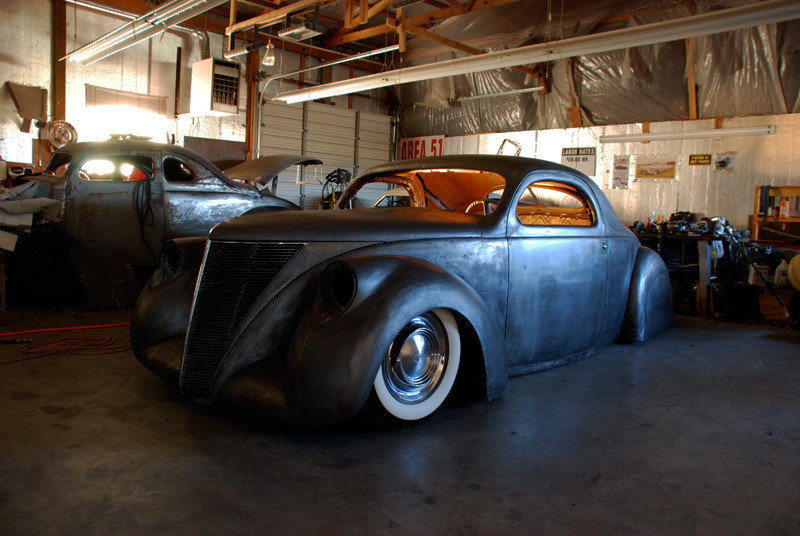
pixel 337 349
pixel 649 309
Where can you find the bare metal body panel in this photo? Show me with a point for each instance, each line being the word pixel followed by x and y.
pixel 524 297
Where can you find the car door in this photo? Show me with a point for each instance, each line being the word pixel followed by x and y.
pixel 197 199
pixel 558 270
pixel 112 201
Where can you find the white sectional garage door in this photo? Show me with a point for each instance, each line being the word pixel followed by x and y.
pixel 341 138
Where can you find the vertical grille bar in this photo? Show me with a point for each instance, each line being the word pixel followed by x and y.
pixel 234 275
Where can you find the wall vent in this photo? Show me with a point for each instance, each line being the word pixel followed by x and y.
pixel 215 87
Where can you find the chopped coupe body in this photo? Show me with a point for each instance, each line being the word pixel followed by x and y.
pixel 498 266
pixel 132 195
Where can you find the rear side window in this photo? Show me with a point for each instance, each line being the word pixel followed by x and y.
pixel 177 171
pixel 553 203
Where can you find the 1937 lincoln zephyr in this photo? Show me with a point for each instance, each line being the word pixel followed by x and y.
pixel 492 266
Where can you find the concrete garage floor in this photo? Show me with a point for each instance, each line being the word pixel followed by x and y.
pixel 694 432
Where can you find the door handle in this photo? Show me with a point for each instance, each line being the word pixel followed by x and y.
pixel 605 246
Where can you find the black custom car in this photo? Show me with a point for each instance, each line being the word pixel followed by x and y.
pixel 498 266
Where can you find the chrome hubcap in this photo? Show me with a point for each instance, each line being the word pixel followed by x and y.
pixel 416 360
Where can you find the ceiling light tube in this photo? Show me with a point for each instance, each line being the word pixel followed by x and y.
pixel 141 28
pixel 691 134
pixel 770 11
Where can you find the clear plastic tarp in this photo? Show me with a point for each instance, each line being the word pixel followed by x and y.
pixel 754 71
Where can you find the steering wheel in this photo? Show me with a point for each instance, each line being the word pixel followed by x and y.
pixel 487 205
pixel 83 176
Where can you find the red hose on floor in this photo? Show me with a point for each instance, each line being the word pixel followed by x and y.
pixel 72 328
pixel 79 345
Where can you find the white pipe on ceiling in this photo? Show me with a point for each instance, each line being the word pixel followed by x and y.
pixel 756 14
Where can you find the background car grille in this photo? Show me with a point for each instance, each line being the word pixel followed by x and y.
pixel 233 276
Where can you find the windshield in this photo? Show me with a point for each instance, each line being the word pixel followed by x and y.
pixel 457 190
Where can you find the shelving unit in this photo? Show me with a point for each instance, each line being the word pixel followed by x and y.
pixel 789 224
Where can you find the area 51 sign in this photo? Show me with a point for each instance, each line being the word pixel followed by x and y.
pixel 421 146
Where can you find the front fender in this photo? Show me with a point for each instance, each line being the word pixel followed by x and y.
pixel 334 358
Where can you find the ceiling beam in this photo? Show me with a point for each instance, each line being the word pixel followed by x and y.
pixel 458 46
pixel 275 16
pixel 713 22
pixel 419 20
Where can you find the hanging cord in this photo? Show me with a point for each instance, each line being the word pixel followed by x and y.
pixel 100 344
pixel 144 211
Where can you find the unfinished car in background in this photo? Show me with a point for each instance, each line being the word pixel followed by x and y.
pixel 498 266
pixel 131 196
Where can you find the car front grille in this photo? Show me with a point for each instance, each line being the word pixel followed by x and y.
pixel 234 275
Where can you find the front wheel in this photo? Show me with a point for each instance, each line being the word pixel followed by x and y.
pixel 419 369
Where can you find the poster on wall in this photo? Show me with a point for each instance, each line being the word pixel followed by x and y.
pixel 584 159
pixel 620 173
pixel 655 167
pixel 421 146
pixel 725 161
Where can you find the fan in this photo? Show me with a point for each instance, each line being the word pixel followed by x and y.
pixel 60 133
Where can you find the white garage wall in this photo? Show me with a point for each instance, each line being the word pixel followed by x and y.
pixel 145 68
pixel 24 59
pixel 760 160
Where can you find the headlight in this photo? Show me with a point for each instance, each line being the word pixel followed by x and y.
pixel 338 285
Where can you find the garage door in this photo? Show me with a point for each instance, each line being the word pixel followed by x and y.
pixel 341 138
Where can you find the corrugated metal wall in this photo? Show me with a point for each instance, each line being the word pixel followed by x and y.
pixel 703 190
pixel 340 137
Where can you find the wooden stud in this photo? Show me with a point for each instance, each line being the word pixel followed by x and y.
pixel 348 13
pixel 232 21
pixel 253 68
pixel 401 30
pixel 59 66
pixel 691 84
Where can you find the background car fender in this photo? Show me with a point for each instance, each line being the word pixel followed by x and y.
pixel 163 308
pixel 335 356
pixel 649 309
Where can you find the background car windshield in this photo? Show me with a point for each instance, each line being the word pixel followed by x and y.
pixel 58 164
pixel 117 168
pixel 444 189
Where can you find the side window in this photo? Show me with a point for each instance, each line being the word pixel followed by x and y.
pixel 177 171
pixel 554 204
pixel 117 168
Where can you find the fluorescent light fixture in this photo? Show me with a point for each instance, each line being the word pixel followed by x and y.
pixel 691 134
pixel 298 32
pixel 755 14
pixel 141 29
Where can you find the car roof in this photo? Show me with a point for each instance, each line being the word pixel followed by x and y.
pixel 140 146
pixel 513 168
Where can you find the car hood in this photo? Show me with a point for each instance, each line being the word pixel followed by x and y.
pixel 359 225
pixel 262 170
